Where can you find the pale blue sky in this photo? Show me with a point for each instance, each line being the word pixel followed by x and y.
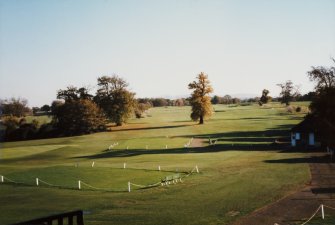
pixel 160 46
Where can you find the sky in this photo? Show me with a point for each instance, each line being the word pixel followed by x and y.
pixel 160 46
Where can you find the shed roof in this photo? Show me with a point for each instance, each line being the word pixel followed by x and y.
pixel 307 125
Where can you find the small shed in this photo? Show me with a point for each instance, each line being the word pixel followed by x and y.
pixel 304 133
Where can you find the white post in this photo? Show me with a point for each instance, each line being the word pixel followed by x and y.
pixel 124 165
pixel 2 179
pixel 159 168
pixel 196 168
pixel 322 212
pixel 146 147
pixel 127 147
pixel 166 147
pixel 36 181
pixel 79 185
pixel 128 186
pixel 93 164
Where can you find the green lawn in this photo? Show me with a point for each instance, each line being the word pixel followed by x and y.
pixel 41 119
pixel 237 175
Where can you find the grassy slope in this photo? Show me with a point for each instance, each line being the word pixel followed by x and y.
pixel 239 174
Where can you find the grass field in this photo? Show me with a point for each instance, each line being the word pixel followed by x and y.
pixel 245 170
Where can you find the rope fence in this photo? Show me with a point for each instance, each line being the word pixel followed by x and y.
pixel 320 208
pixel 127 147
pixel 165 181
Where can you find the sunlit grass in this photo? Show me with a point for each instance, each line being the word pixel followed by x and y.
pixel 238 174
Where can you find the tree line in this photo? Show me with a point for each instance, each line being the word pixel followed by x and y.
pixel 78 111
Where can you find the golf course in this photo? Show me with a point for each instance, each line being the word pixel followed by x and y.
pixel 236 162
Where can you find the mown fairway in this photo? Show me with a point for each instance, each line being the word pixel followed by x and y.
pixel 245 170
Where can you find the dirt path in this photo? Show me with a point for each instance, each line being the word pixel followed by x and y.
pixel 197 142
pixel 302 204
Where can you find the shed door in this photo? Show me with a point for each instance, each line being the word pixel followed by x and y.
pixel 311 139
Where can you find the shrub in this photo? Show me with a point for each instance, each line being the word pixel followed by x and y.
pixel 290 109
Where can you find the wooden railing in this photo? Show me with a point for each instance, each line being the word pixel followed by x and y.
pixel 69 218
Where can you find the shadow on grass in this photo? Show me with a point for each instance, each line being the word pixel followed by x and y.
pixel 238 141
pixel 207 149
pixel 266 118
pixel 270 135
pixel 311 159
pixel 151 128
pixel 275 139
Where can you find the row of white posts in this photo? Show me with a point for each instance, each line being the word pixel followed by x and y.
pixel 146 147
pixel 124 166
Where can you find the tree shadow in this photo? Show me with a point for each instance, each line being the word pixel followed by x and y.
pixel 207 149
pixel 310 159
pixel 327 190
pixel 275 139
pixel 281 131
pixel 150 128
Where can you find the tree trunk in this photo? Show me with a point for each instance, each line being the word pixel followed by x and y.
pixel 201 120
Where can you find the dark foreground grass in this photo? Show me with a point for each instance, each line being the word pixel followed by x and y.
pixel 244 171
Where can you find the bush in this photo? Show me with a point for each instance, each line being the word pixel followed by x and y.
pixel 290 109
pixel 298 109
pixel 11 123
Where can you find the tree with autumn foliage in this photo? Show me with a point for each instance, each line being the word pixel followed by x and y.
pixel 200 99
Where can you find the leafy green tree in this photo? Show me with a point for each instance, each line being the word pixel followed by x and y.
pixel 227 99
pixel 78 117
pixel 324 77
pixel 288 92
pixel 77 113
pixel 113 97
pixel 55 106
pixel 236 101
pixel 179 102
pixel 215 100
pixel 200 99
pixel 84 93
pixel 140 108
pixel 159 102
pixel 73 93
pixel 264 98
pixel 45 108
pixel 323 103
pixel 35 109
